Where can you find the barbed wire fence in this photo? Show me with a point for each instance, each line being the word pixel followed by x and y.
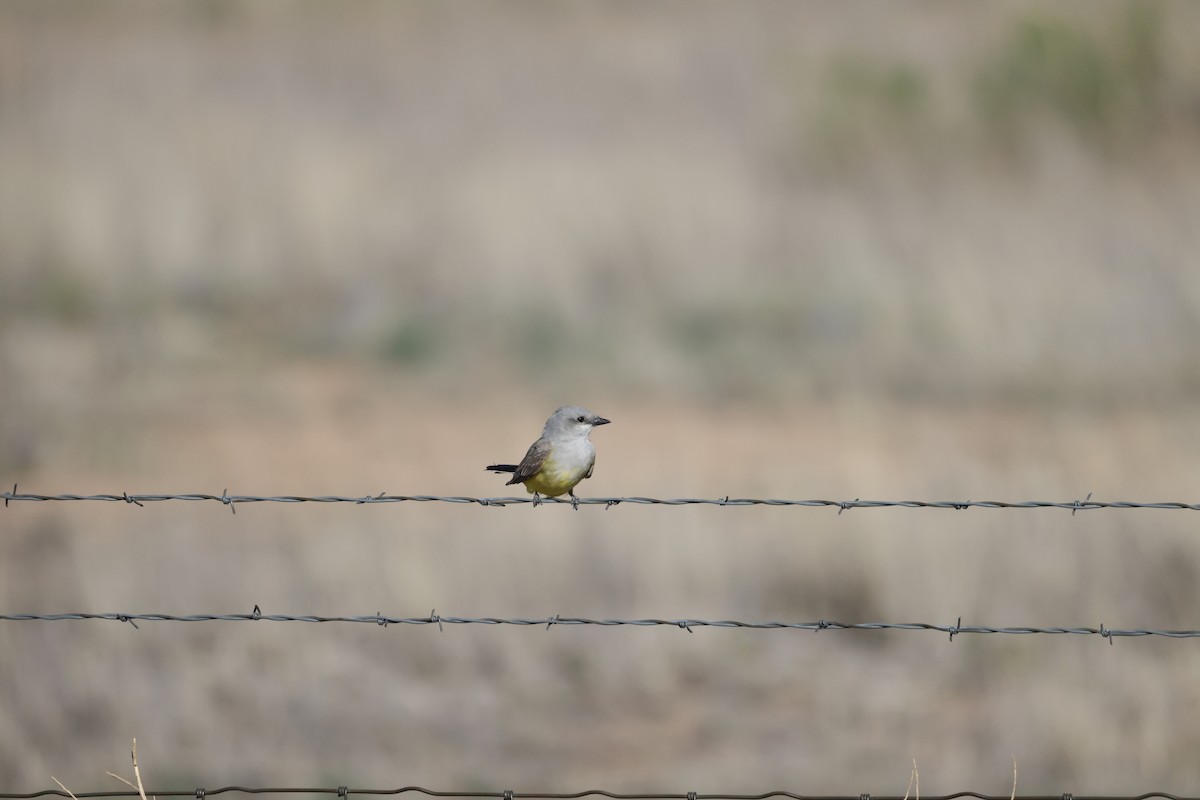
pixel 687 624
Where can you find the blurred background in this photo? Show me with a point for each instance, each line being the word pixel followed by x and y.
pixel 890 251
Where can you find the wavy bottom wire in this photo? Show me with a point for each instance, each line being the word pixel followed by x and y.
pixel 344 791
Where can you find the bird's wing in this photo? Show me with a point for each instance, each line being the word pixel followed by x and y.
pixel 532 463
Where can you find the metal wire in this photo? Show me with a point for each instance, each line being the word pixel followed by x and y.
pixel 232 500
pixel 344 791
pixel 686 624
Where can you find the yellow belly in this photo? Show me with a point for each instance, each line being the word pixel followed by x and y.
pixel 552 482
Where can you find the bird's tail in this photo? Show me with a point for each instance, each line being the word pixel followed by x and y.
pixel 502 468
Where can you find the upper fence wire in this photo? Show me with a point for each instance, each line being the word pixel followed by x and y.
pixel 233 500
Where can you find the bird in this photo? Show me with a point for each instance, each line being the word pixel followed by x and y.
pixel 560 458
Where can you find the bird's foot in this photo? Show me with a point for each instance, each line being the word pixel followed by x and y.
pixel 537 499
pixel 574 501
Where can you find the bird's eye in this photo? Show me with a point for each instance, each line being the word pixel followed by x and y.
pixel 579 419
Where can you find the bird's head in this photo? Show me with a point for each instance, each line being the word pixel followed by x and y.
pixel 573 421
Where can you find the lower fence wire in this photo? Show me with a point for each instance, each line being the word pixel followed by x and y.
pixel 689 625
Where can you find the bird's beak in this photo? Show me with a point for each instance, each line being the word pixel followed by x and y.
pixel 600 421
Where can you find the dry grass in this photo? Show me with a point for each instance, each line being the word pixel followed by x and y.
pixel 292 250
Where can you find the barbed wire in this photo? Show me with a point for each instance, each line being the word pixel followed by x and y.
pixel 688 624
pixel 345 791
pixel 233 500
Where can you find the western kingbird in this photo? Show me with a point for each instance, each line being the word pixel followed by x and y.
pixel 561 458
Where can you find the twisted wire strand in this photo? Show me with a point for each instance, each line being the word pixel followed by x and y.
pixel 687 624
